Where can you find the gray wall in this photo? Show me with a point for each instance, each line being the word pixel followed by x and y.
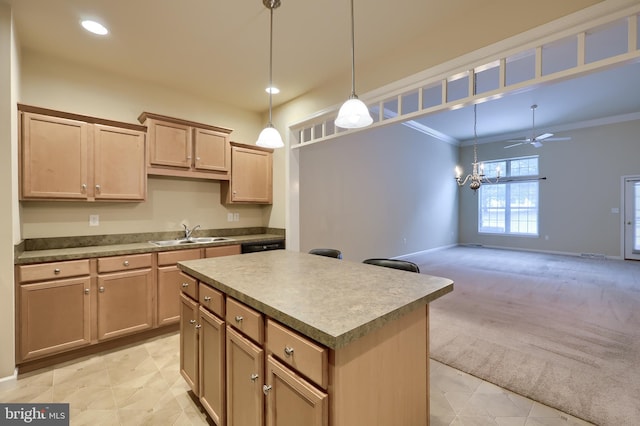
pixel 583 185
pixel 379 193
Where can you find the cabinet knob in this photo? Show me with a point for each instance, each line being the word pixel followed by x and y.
pixel 288 351
pixel 266 389
pixel 239 318
pixel 84 188
pixel 254 377
pixel 198 326
pixel 198 158
pixel 97 188
pixel 125 263
pixel 192 321
pixel 207 298
pixel 86 291
pixel 56 271
pixel 101 289
pixel 185 285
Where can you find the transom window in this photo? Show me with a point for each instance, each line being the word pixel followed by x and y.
pixel 510 206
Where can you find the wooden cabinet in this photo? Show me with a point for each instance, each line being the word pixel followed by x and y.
pixel 212 360
pixel 54 308
pixel 71 157
pixel 125 295
pixel 184 148
pixel 245 376
pixel 170 281
pixel 291 400
pixel 251 176
pixel 189 342
pixel 223 250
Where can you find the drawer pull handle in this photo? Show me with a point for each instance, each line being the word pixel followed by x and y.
pixel 125 263
pixel 86 291
pixel 288 351
pixel 266 389
pixel 101 289
pixel 198 326
pixel 254 377
pixel 239 319
pixel 185 285
pixel 56 271
pixel 207 298
pixel 192 321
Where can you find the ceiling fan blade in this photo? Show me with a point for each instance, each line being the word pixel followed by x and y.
pixel 536 144
pixel 515 144
pixel 557 139
pixel 544 136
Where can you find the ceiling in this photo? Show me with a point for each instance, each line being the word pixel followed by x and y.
pixel 219 49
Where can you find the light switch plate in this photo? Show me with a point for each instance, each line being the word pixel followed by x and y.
pixel 236 217
pixel 94 220
pixel 229 217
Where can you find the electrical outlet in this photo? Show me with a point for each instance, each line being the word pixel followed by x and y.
pixel 236 217
pixel 229 217
pixel 94 220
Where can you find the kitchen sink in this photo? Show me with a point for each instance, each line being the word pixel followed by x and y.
pixel 184 241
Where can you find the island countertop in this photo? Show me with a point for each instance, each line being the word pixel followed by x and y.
pixel 331 301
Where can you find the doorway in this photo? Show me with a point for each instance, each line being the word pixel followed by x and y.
pixel 631 217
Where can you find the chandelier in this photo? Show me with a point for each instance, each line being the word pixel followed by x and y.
pixel 477 176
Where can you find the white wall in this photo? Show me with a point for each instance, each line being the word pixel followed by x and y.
pixel 52 83
pixel 379 193
pixel 583 185
pixel 9 68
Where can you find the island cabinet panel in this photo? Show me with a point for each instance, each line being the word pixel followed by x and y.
pixel 212 361
pixel 291 400
pixel 67 156
pixel 170 284
pixel 249 321
pixel 54 316
pixel 245 377
pixel 189 368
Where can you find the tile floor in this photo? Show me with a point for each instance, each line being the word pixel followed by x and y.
pixel 141 385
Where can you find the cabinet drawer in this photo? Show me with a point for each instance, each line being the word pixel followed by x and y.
pixel 211 299
pixel 173 257
pixel 222 251
pixel 51 271
pixel 245 319
pixel 298 352
pixel 189 286
pixel 122 263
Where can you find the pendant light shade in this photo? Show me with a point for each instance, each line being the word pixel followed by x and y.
pixel 270 137
pixel 353 113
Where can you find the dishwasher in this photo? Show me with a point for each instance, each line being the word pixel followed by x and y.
pixel 255 247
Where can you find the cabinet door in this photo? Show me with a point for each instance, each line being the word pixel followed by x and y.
pixel 169 281
pixel 212 150
pixel 54 157
pixel 189 342
pixel 55 316
pixel 245 368
pixel 125 303
pixel 119 164
pixel 291 400
pixel 169 144
pixel 212 365
pixel 251 178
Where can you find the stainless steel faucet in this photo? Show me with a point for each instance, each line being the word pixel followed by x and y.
pixel 188 232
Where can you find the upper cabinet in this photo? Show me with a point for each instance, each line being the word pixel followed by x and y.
pixel 72 157
pixel 251 176
pixel 187 149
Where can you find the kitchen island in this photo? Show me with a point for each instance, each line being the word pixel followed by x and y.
pixel 355 336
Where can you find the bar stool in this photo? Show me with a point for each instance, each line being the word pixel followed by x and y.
pixel 404 265
pixel 327 252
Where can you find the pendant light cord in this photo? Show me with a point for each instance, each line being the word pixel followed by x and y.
pixel 271 60
pixel 353 55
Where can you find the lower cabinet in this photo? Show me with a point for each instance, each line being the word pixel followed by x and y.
pixel 245 376
pixel 212 365
pixel 169 284
pixel 189 368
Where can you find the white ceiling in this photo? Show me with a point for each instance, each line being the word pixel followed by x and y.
pixel 219 49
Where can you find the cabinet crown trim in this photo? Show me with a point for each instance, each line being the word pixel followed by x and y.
pixel 150 115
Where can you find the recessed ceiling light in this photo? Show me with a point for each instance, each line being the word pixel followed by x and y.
pixel 95 27
pixel 273 90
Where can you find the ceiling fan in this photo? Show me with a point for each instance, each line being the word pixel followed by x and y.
pixel 534 140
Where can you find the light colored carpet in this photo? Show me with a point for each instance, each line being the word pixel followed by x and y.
pixel 562 330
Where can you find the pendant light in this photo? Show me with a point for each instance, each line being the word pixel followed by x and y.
pixel 270 137
pixel 353 113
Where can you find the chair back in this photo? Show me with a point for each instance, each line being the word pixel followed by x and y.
pixel 404 265
pixel 327 252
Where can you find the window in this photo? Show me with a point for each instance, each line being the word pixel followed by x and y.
pixel 510 206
